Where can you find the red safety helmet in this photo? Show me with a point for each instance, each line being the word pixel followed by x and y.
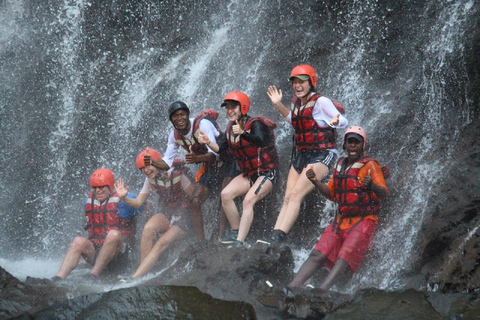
pixel 102 177
pixel 241 98
pixel 304 69
pixel 152 152
pixel 355 131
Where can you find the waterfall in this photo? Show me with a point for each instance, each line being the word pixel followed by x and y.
pixel 86 84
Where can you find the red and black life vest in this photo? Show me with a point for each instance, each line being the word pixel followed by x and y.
pixel 197 147
pixel 170 191
pixel 308 134
pixel 104 217
pixel 352 198
pixel 252 159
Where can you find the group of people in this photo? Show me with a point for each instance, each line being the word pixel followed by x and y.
pixel 243 161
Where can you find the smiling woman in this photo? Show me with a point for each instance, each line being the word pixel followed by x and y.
pixel 315 119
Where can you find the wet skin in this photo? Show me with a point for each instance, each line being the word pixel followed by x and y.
pixel 101 193
pixel 180 120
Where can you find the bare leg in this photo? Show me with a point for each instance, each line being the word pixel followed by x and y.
pixel 313 263
pixel 110 249
pixel 199 196
pixel 303 187
pixel 291 181
pixel 157 224
pixel 223 218
pixel 165 241
pixel 81 247
pixel 337 271
pixel 236 188
pixel 248 203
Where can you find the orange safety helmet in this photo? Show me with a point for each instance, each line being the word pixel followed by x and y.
pixel 241 98
pixel 154 153
pixel 352 131
pixel 102 177
pixel 304 69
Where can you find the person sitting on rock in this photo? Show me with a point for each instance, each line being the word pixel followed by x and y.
pixel 357 187
pixel 252 143
pixel 185 134
pixel 315 119
pixel 111 225
pixel 174 188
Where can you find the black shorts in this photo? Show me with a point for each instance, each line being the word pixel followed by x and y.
pixel 210 179
pixel 229 168
pixel 119 263
pixel 304 158
pixel 268 175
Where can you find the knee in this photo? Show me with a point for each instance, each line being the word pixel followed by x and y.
pixel 294 195
pixel 196 202
pixel 149 229
pixel 80 243
pixel 113 236
pixel 316 257
pixel 248 203
pixel 225 196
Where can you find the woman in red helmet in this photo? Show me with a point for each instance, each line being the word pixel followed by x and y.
pixel 174 188
pixel 357 187
pixel 111 225
pixel 315 119
pixel 252 143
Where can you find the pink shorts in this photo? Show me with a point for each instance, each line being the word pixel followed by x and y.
pixel 351 247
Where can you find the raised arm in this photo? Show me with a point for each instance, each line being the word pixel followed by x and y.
pixel 275 96
pixel 122 191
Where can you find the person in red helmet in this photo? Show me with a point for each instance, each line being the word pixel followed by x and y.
pixel 252 143
pixel 185 135
pixel 315 119
pixel 174 188
pixel 357 187
pixel 111 225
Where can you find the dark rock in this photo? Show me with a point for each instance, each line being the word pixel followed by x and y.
pixel 148 302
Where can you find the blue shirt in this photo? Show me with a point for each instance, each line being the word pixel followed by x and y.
pixel 124 210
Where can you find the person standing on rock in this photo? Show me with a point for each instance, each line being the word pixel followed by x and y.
pixel 252 143
pixel 185 135
pixel 174 188
pixel 111 225
pixel 357 187
pixel 315 119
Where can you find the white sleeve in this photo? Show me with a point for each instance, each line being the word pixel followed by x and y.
pixel 324 111
pixel 209 129
pixel 172 150
pixel 288 118
pixel 146 187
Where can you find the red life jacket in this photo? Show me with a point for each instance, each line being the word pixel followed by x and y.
pixel 353 199
pixel 103 218
pixel 308 134
pixel 252 159
pixel 197 147
pixel 171 194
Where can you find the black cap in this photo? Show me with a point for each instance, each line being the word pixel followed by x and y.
pixel 354 135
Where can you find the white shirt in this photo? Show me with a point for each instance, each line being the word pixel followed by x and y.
pixel 323 112
pixel 172 148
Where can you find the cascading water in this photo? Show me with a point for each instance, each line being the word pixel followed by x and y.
pixel 86 85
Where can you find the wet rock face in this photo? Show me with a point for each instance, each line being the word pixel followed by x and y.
pixel 17 297
pixel 450 256
pixel 148 302
pixel 231 274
